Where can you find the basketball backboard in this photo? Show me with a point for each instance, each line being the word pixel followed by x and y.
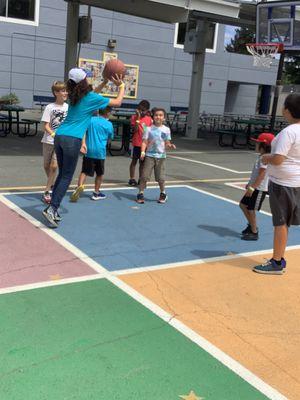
pixel 279 22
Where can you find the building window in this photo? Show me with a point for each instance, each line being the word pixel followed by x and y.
pixel 20 11
pixel 180 29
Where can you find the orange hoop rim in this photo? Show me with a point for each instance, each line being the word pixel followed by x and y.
pixel 279 46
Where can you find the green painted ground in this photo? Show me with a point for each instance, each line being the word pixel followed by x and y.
pixel 90 341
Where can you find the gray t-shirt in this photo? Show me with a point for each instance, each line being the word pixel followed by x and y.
pixel 254 174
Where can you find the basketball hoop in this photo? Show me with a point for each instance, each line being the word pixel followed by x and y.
pixel 264 53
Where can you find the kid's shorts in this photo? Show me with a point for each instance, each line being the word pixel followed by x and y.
pixel 254 202
pixel 156 164
pixel 92 165
pixel 285 204
pixel 136 153
pixel 49 154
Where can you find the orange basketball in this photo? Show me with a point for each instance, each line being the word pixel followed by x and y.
pixel 113 67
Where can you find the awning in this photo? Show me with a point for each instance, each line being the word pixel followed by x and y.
pixel 170 11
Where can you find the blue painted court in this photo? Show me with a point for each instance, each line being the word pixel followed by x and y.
pixel 120 234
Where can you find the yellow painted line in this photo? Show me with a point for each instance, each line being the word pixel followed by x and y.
pixel 118 184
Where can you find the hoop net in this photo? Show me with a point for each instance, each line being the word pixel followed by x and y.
pixel 264 53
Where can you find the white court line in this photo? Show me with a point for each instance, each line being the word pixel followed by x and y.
pixel 187 152
pixel 209 165
pixel 221 198
pixel 39 189
pixel 218 354
pixel 154 185
pixel 236 185
pixel 38 285
pixel 196 262
pixel 213 152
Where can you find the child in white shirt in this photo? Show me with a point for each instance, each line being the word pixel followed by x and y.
pixel 284 187
pixel 53 116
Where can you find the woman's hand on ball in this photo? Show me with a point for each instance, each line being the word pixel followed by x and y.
pixel 117 79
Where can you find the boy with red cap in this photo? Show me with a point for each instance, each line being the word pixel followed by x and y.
pixel 257 187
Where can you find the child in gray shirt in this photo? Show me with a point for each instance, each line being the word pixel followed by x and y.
pixel 257 187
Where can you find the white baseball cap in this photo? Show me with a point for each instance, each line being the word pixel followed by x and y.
pixel 77 75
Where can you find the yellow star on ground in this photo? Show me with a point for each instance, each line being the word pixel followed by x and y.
pixel 56 277
pixel 191 396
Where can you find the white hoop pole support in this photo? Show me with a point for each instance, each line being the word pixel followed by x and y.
pixel 277 90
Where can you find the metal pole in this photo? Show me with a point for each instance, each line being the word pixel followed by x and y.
pixel 277 91
pixel 196 82
pixel 71 36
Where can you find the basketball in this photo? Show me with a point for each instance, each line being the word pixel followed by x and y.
pixel 113 67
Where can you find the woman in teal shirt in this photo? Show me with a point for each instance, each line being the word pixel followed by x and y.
pixel 83 101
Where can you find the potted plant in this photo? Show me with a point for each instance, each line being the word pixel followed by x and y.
pixel 10 98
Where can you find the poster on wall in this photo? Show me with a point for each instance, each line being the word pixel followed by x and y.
pixel 94 69
pixel 109 56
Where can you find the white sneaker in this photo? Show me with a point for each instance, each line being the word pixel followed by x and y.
pixel 98 196
pixel 49 214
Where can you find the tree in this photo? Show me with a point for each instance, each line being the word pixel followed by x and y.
pixel 241 38
pixel 292 70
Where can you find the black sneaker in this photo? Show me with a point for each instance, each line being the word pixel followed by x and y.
pixel 162 198
pixel 140 198
pixel 132 182
pixel 57 217
pixel 246 230
pixel 49 214
pixel 250 236
pixel 271 267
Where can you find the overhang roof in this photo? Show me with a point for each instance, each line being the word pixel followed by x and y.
pixel 170 11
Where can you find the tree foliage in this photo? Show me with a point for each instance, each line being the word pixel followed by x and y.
pixel 291 74
pixel 241 38
pixel 292 70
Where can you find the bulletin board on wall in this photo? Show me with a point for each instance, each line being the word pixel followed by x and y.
pixel 94 69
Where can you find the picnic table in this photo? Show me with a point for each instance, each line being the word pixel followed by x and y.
pixel 243 128
pixel 252 122
pixel 122 134
pixel 23 126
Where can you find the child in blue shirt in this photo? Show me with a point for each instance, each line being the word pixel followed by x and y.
pixel 94 146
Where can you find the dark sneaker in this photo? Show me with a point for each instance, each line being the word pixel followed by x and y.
pixel 132 182
pixel 76 194
pixel 246 230
pixel 162 198
pixel 271 267
pixel 140 198
pixel 57 217
pixel 250 236
pixel 283 264
pixel 46 197
pixel 98 196
pixel 49 214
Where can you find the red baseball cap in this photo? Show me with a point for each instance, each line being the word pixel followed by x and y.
pixel 264 138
